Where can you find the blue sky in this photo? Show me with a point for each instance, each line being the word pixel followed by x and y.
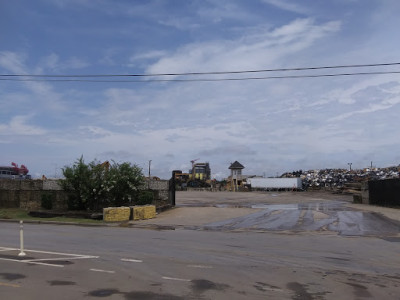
pixel 270 126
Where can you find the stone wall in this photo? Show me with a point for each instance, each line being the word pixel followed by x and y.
pixel 161 190
pixel 28 194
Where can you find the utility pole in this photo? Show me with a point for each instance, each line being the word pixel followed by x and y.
pixel 149 172
pixel 350 165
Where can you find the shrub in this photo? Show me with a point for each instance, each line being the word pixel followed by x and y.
pixel 47 201
pixel 145 197
pixel 96 185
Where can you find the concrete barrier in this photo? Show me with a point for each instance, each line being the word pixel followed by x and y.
pixel 116 214
pixel 143 212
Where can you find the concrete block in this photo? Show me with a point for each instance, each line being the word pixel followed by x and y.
pixel 144 212
pixel 116 214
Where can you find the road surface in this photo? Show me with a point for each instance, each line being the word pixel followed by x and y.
pixel 269 252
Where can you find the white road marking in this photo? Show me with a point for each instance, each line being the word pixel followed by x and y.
pixel 132 260
pixel 104 271
pixel 55 253
pixel 42 261
pixel 60 258
pixel 42 264
pixel 7 249
pixel 200 266
pixel 28 262
pixel 176 279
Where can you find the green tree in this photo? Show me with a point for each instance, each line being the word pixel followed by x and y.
pixel 124 181
pixel 93 186
pixel 76 183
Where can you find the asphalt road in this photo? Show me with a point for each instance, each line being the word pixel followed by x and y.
pixel 217 246
pixel 126 263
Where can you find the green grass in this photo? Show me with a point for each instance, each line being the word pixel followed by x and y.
pixel 21 214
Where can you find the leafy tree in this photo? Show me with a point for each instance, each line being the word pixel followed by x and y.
pixel 124 181
pixel 76 183
pixel 95 185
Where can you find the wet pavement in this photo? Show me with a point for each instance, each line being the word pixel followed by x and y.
pixel 332 216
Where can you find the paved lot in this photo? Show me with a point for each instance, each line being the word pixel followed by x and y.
pixel 247 199
pixel 285 212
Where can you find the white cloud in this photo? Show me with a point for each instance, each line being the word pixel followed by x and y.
pixel 42 92
pixel 288 5
pixel 13 62
pixel 53 63
pixel 148 55
pixel 180 23
pixel 18 126
pixel 74 63
pixel 218 11
pixel 247 52
pixel 371 108
pixel 49 62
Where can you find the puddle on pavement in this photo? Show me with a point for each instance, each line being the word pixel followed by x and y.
pixel 200 286
pixel 277 206
pixel 150 296
pixel 104 292
pixel 12 276
pixel 60 282
pixel 332 216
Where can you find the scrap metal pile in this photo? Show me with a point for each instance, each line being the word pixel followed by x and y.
pixel 338 178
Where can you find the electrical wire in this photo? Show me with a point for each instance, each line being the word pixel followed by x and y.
pixel 206 79
pixel 204 73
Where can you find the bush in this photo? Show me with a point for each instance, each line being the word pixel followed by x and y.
pixel 145 197
pixel 96 185
pixel 47 201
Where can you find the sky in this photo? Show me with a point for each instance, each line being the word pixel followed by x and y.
pixel 269 125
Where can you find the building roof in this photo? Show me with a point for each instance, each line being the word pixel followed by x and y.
pixel 236 165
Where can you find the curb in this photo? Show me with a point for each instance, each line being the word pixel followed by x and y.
pixel 57 223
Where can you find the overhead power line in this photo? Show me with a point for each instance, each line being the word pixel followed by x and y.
pixel 202 73
pixel 206 79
